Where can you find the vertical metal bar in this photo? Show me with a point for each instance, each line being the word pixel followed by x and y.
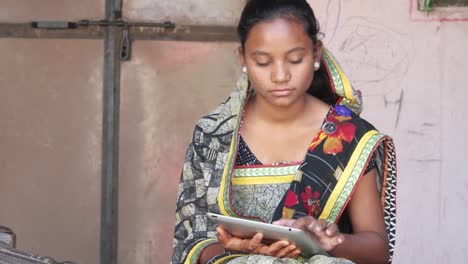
pixel 118 9
pixel 110 140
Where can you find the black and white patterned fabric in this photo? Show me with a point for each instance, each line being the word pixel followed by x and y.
pixel 390 198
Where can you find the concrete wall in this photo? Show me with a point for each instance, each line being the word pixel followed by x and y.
pixel 194 12
pixel 165 88
pixel 410 67
pixel 65 10
pixel 50 133
pixel 50 145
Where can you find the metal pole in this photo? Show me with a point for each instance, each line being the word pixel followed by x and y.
pixel 110 140
pixel 137 31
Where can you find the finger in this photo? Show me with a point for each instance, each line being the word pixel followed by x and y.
pixel 230 242
pixel 294 253
pixel 285 251
pixel 310 225
pixel 223 235
pixel 340 239
pixel 332 230
pixel 335 241
pixel 254 242
pixel 284 222
pixel 321 225
pixel 303 222
pixel 275 247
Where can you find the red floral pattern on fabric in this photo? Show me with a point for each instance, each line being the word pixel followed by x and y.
pixel 334 141
pixel 311 201
pixel 291 199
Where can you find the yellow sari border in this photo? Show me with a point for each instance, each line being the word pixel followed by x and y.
pixel 345 89
pixel 262 180
pixel 227 258
pixel 266 171
pixel 223 196
pixel 193 254
pixel 350 176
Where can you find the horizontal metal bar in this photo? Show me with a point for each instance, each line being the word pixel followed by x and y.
pixel 185 33
pixel 25 30
pixel 121 23
pixel 136 32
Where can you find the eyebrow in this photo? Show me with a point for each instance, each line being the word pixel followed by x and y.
pixel 259 53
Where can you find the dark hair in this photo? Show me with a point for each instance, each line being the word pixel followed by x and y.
pixel 257 11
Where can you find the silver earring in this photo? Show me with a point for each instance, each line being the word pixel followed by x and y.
pixel 244 69
pixel 316 65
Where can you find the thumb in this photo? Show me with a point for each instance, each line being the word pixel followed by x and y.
pixel 223 235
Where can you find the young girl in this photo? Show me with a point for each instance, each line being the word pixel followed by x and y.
pixel 288 147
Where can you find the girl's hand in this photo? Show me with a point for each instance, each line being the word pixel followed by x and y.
pixel 279 249
pixel 325 233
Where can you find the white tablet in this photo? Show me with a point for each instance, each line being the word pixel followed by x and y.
pixel 244 228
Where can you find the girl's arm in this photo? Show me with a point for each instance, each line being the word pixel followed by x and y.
pixel 369 241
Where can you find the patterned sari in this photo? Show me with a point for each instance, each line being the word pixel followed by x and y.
pixel 321 185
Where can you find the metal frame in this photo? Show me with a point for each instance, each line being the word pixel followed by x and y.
pixel 137 31
pixel 113 30
pixel 110 139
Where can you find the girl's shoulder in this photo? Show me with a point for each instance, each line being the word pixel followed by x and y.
pixel 342 114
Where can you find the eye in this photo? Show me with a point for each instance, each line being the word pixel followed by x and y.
pixel 295 61
pixel 262 64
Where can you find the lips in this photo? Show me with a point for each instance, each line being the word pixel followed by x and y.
pixel 280 92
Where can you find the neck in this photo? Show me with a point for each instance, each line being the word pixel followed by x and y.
pixel 278 115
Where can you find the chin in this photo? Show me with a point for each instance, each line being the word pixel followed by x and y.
pixel 285 101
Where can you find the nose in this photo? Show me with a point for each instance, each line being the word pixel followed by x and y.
pixel 280 74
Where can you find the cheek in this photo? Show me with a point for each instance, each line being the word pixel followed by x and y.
pixel 304 76
pixel 259 78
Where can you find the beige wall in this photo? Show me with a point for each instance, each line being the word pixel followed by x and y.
pixel 412 74
pixel 195 12
pixel 50 145
pixel 65 10
pixel 165 88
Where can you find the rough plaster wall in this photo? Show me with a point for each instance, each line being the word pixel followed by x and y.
pixel 205 12
pixel 413 76
pixel 50 145
pixel 166 87
pixel 68 10
pixel 452 189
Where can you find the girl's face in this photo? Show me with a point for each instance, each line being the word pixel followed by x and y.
pixel 279 56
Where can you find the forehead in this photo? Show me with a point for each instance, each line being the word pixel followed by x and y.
pixel 279 34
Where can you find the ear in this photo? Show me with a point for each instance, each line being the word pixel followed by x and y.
pixel 241 56
pixel 318 51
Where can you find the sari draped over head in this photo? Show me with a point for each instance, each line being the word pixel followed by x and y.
pixel 319 186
